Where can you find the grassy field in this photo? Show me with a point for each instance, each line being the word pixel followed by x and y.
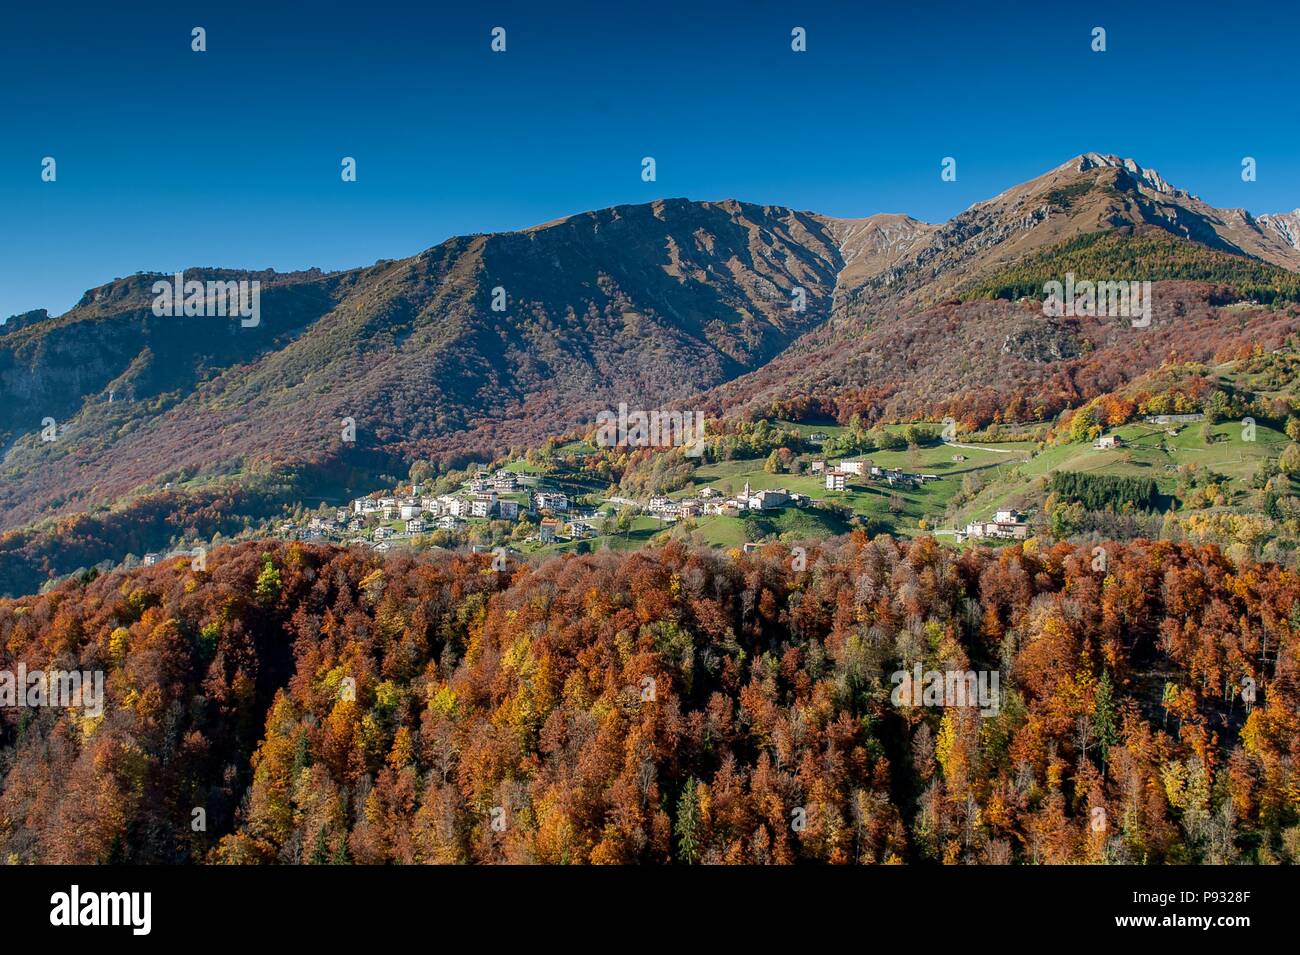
pixel 1148 451
pixel 1003 475
pixel 900 508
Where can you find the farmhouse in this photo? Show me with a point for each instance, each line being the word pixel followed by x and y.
pixel 1006 524
pixel 1108 441
pixel 895 477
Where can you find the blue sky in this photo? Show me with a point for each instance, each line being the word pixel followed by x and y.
pixel 169 159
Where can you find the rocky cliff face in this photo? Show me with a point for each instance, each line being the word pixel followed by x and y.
pixel 1285 225
pixel 15 322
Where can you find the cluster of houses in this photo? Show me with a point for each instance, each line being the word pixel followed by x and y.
pixel 444 510
pixel 1008 525
pixel 552 529
pixel 709 501
pixel 484 497
pixel 321 528
pixel 840 474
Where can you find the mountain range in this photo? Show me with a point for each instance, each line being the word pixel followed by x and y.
pixel 492 342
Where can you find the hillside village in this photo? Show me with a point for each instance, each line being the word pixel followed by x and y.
pixel 991 489
pixel 1168 470
pixel 537 512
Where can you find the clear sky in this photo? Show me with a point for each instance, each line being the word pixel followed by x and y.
pixel 168 159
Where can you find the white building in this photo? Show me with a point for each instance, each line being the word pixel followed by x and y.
pixel 763 500
pixel 1006 524
pixel 555 500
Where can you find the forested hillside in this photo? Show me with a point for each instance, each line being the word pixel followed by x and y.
pixel 481 343
pixel 669 705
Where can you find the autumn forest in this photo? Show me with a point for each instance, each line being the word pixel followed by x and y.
pixel 309 704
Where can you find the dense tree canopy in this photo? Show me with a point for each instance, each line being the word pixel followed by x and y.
pixel 318 705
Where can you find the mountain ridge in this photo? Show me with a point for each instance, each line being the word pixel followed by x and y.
pixel 646 303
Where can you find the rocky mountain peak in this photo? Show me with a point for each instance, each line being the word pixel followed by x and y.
pixel 1098 160
pixel 1286 225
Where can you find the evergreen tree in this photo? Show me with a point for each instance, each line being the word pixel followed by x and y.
pixel 688 820
pixel 341 856
pixel 320 853
pixel 1104 716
